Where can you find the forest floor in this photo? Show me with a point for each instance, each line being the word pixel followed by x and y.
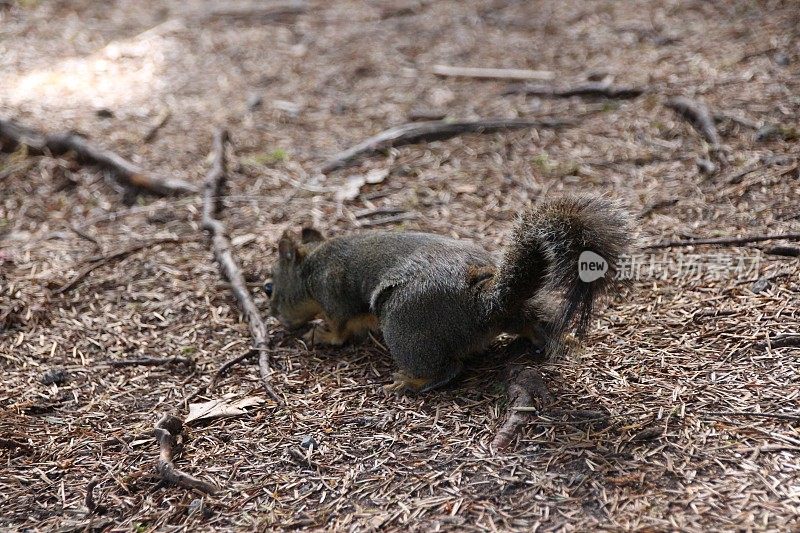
pixel 699 399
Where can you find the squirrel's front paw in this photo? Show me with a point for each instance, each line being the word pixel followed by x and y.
pixel 318 336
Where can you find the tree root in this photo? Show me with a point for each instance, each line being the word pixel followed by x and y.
pixel 524 385
pixel 169 435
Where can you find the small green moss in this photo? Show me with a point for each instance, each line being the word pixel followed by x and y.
pixel 542 162
pixel 609 105
pixel 274 157
pixel 789 133
pixel 188 350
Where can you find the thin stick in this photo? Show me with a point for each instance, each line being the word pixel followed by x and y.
pixel 721 117
pixel 698 115
pixel 258 11
pixel 522 389
pixel 13 135
pixel 98 261
pixel 752 414
pixel 83 235
pixel 167 432
pixel 221 245
pixel 724 240
pixel 230 363
pixel 432 130
pixel 159 123
pixel 151 361
pixel 593 89
pixel 492 73
pixel 400 217
pixel 784 340
pixel 764 163
pixel 88 500
pixel 788 251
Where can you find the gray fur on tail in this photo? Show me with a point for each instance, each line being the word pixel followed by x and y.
pixel 542 260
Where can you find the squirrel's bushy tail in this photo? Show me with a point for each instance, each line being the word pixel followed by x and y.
pixel 543 259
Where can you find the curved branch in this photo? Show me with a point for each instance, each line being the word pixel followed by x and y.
pixel 431 130
pixel 13 135
pixel 167 432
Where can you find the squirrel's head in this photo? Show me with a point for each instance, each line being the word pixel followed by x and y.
pixel 289 299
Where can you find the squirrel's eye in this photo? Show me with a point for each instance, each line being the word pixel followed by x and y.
pixel 268 289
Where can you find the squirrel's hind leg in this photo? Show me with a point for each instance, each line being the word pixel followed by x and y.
pixel 405 382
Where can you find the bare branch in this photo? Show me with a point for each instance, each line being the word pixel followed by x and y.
pixel 724 240
pixel 13 135
pixel 432 130
pixel 221 245
pixel 98 261
pixel 591 89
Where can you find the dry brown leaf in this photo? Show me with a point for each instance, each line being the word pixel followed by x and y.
pixel 352 187
pixel 220 408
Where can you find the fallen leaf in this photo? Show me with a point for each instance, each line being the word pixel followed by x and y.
pixel 352 187
pixel 220 408
pixel 241 240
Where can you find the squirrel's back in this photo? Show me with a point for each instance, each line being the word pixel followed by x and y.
pixel 371 263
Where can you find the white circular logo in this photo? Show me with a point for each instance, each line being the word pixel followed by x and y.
pixel 591 266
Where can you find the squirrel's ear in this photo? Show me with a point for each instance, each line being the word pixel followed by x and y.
pixel 310 235
pixel 287 246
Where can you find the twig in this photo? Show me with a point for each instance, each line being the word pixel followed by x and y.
pixel 698 115
pixel 647 434
pixel 578 416
pixel 391 219
pixel 12 135
pixel 765 162
pixel 724 240
pixel 524 386
pixel 784 340
pixel 787 251
pixel 213 191
pixel 151 361
pixel 756 53
pixel 722 117
pixel 657 205
pixel 230 363
pixel 259 11
pixel 167 432
pixel 593 89
pixel 365 213
pixel 83 235
pixel 492 73
pixel 88 500
pixel 161 120
pixel 432 130
pixel 753 414
pixel 98 261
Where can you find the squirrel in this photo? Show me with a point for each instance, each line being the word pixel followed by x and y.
pixel 438 300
